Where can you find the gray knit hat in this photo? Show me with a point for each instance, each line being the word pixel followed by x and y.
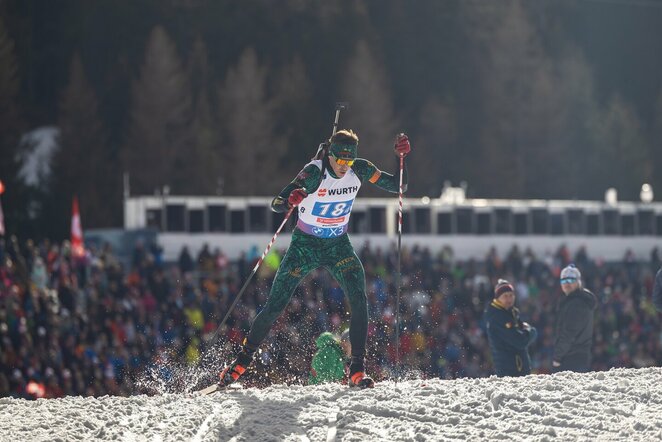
pixel 571 272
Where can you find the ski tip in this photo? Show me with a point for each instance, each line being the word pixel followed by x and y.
pixel 209 390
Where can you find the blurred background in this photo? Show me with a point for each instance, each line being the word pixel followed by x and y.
pixel 162 128
pixel 519 99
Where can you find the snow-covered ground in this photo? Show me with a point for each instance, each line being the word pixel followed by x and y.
pixel 624 404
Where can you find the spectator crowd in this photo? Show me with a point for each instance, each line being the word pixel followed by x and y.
pixel 95 325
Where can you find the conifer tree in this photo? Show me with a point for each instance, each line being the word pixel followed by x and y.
pixel 11 124
pixel 83 164
pixel 436 155
pixel 655 148
pixel 366 86
pixel 535 112
pixel 576 137
pixel 251 147
pixel 160 118
pixel 292 99
pixel 513 68
pixel 198 169
pixel 621 157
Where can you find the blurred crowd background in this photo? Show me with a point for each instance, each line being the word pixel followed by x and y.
pixel 192 94
pixel 94 325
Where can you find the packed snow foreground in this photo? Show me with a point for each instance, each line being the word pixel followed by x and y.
pixel 621 404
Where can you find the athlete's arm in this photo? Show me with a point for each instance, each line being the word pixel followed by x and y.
pixel 367 171
pixel 308 179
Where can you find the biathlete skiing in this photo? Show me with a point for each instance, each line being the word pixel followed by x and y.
pixel 323 192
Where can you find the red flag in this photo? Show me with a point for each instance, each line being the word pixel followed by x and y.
pixel 77 248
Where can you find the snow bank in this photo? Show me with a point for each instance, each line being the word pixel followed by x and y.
pixel 615 405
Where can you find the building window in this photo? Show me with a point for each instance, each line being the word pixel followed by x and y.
pixel 464 221
pixel 422 220
pixel 377 217
pixel 503 222
pixel 175 221
pixel 484 223
pixel 540 221
pixel 521 223
pixel 238 221
pixel 610 220
pixel 627 224
pixel 154 218
pixel 217 218
pixel 358 222
pixel 257 216
pixel 593 224
pixel 444 223
pixel 196 220
pixel 576 222
pixel 646 222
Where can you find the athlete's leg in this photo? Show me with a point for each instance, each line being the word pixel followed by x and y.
pixel 347 269
pixel 296 264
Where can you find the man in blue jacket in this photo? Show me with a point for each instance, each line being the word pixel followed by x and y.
pixel 509 337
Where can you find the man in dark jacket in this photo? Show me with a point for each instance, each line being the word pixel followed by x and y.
pixel 574 324
pixel 657 291
pixel 509 337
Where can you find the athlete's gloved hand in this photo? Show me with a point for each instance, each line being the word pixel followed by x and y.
pixel 402 146
pixel 296 196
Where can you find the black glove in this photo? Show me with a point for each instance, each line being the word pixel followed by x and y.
pixel 515 313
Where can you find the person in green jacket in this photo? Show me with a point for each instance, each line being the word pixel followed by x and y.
pixel 329 361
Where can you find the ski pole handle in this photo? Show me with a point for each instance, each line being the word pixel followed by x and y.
pixel 402 166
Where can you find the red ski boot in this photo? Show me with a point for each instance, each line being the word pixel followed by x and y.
pixel 357 376
pixel 236 369
pixel 359 379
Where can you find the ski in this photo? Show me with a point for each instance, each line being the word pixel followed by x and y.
pixel 208 390
pixel 215 387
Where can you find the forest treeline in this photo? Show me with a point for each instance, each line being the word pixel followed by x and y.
pixel 520 99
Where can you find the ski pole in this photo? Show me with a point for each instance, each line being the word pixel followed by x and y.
pixel 398 276
pixel 257 265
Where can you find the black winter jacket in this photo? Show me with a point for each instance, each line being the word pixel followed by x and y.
pixel 574 326
pixel 508 340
